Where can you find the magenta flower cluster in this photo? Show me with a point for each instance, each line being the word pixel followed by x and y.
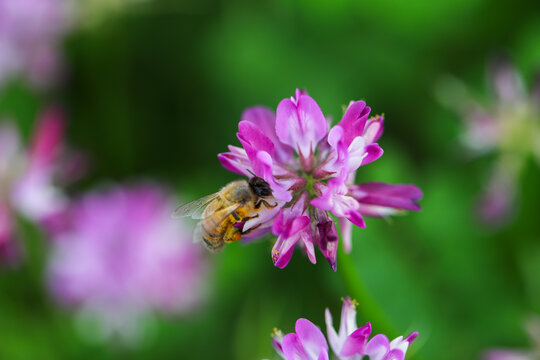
pixel 311 169
pixel 121 257
pixel 350 342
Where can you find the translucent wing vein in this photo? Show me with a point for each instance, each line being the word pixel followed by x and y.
pixel 195 208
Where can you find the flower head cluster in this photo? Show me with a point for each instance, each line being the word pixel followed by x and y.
pixel 121 256
pixel 508 126
pixel 26 177
pixel 30 35
pixel 311 170
pixel 349 343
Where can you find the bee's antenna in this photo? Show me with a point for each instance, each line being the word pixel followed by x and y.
pixel 251 172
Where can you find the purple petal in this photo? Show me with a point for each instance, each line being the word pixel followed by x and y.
pixel 327 240
pixel 283 250
pixel 373 151
pixel 333 338
pixel 323 355
pixel 356 218
pixel 374 129
pixel 394 354
pixel 263 117
pixel 403 197
pixel 348 318
pixel 253 139
pixel 354 120
pixel 346 234
pixel 300 124
pixel 297 225
pixel 278 227
pixel 277 340
pixel 47 137
pixel 311 337
pixel 236 161
pixel 377 347
pixel 411 337
pixel 265 120
pixel 288 231
pixel 355 342
pixel 293 348
pixel 307 241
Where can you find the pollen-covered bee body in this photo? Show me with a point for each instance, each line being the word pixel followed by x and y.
pixel 235 203
pixel 237 191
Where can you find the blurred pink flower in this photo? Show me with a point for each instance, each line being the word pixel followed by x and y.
pixel 31 33
pixel 26 177
pixel 122 257
pixel 311 170
pixel 349 343
pixel 508 126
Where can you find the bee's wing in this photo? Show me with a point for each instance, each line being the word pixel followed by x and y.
pixel 216 218
pixel 195 208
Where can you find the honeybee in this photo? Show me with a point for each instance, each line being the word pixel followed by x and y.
pixel 235 203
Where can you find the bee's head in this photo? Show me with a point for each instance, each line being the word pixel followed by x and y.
pixel 260 187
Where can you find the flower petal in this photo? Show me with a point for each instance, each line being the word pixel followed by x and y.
pixel 327 239
pixel 253 139
pixel 356 341
pixel 373 152
pixel 377 347
pixel 348 318
pixel 300 124
pixel 293 349
pixel 335 341
pixel 345 227
pixel 236 160
pixel 354 120
pixel 47 138
pixel 288 232
pixel 312 338
pixel 373 129
pixel 402 197
pixel 265 120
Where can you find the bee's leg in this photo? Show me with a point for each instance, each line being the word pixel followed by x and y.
pixel 266 204
pixel 232 234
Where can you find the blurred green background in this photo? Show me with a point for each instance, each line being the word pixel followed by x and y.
pixel 156 89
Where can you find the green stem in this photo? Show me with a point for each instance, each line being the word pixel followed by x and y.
pixel 367 306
